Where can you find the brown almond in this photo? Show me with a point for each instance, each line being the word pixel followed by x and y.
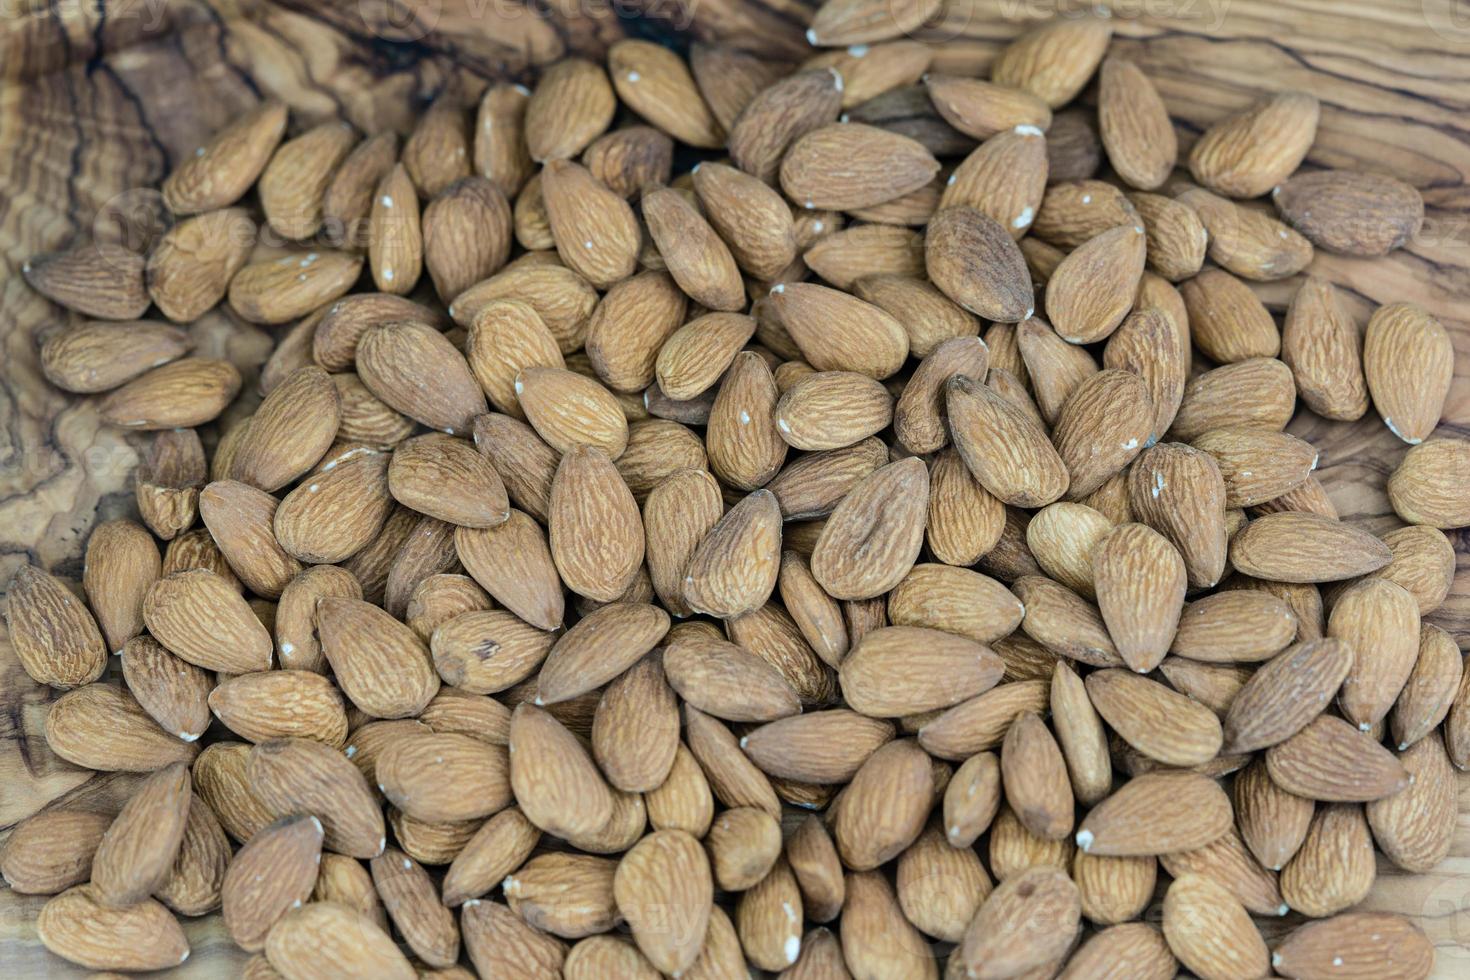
pixel 1254 150
pixel 1408 361
pixel 1351 212
pixel 974 260
pixel 881 519
pixel 1331 760
pixel 271 875
pixel 137 853
pixel 218 173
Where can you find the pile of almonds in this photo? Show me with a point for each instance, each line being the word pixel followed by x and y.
pixel 876 552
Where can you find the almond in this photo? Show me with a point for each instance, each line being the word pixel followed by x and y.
pixel 500 150
pixel 1026 922
pixel 379 663
pixel 1054 61
pixel 1177 239
pixel 664 890
pixel 1137 821
pixel 554 779
pixel 1351 212
pixel 181 394
pixel 1209 931
pixel 1321 549
pixel 1320 344
pixel 974 260
pixel 1422 489
pixel 219 173
pixel 78 927
pixel 270 876
pixel 1007 451
pixel 1366 942
pixel 273 291
pixel 984 109
pixel 572 106
pixel 630 326
pixel 595 231
pixel 1102 427
pixel 466 235
pixel 1245 242
pixel 1380 621
pixel 290 431
pixel 1249 153
pixel 55 638
pixel 314 939
pixel 1228 322
pixel 271 704
pixel 658 86
pixel 697 258
pixel 1159 722
pixel 1134 125
pixel 1408 361
pixel 1285 695
pixel 393 356
pixel 294 182
pixel 839 332
pixel 137 853
pixel 875 533
pixel 1093 288
pixel 1140 580
pixel 1330 760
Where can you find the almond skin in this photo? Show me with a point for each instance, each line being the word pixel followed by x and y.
pixel 138 851
pixel 1134 125
pixel 1408 361
pixel 1322 549
pixel 1007 451
pixel 271 875
pixel 884 514
pixel 974 260
pixel 1351 212
pixel 874 166
pixel 55 638
pixel 1249 153
pixel 76 926
pixel 664 890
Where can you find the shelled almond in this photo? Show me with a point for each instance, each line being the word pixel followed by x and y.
pixel 859 470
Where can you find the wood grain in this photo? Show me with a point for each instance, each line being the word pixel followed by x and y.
pixel 99 99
